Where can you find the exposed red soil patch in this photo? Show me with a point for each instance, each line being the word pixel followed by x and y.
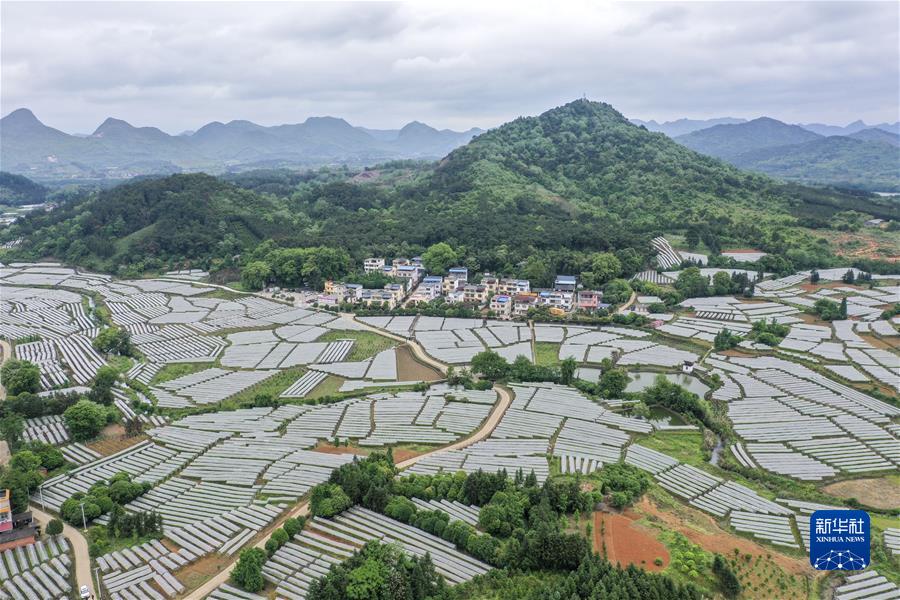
pixel 714 539
pixel 627 543
pixel 332 449
pixel 401 454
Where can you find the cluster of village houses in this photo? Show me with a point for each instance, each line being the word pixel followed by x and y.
pixel 504 297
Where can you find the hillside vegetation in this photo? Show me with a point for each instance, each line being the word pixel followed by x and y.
pixel 536 196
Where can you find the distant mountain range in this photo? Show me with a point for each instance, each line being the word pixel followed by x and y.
pixel 116 149
pixel 540 191
pixel 685 126
pixel 866 158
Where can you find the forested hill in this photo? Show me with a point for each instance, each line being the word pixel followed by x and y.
pixel 586 155
pixel 16 190
pixel 535 196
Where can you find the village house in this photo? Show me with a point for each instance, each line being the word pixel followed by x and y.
pixel 523 302
pixel 565 283
pixel 373 265
pixel 589 300
pixel 456 278
pixel 502 306
pixel 513 286
pixel 561 300
pixel 642 304
pixel 475 294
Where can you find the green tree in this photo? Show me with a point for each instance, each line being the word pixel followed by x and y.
pixel 439 257
pixel 567 368
pixel 604 267
pixel 613 383
pixel 255 275
pixel 328 499
pixel 54 527
pixel 725 340
pixel 11 428
pixel 692 283
pixel 20 376
pixel 247 573
pixel 617 291
pixel 104 381
pixel 84 420
pixel 113 340
pixel 490 365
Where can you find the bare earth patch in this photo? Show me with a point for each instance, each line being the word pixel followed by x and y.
pixel 197 573
pixel 410 369
pixel 706 533
pixel 627 542
pixel 113 439
pixel 880 492
pixel 332 449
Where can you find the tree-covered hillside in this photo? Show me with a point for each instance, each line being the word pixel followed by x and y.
pixel 837 160
pixel 16 190
pixel 536 196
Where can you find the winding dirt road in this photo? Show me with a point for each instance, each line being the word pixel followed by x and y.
pixel 302 509
pixel 79 548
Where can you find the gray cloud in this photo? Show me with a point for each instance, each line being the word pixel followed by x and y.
pixel 180 65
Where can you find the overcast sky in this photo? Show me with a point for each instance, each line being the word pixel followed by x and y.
pixel 180 65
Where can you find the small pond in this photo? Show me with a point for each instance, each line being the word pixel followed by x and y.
pixel 643 380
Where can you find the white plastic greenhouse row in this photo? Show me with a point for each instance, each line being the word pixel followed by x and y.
pixel 20 559
pixel 771 528
pixel 868 585
pixel 50 430
pixel 144 462
pixel 780 459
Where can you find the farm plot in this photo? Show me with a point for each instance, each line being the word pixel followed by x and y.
pixel 142 571
pixel 799 423
pixel 41 570
pixel 50 430
pixel 144 462
pixel 325 542
pixel 587 434
pixel 207 387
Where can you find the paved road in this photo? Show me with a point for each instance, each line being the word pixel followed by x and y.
pixel 303 508
pixel 625 306
pixel 79 548
pixel 5 355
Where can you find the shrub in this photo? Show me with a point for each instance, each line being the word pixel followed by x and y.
pixel 54 527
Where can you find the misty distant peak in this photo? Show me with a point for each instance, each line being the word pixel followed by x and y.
pixel 21 116
pixel 112 125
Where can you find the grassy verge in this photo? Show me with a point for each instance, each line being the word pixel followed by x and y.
pixel 546 353
pixel 120 363
pixel 329 387
pixel 367 345
pixel 223 294
pixel 686 446
pixel 175 370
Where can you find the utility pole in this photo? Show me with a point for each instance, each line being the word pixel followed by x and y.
pixel 97 574
pixel 83 519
